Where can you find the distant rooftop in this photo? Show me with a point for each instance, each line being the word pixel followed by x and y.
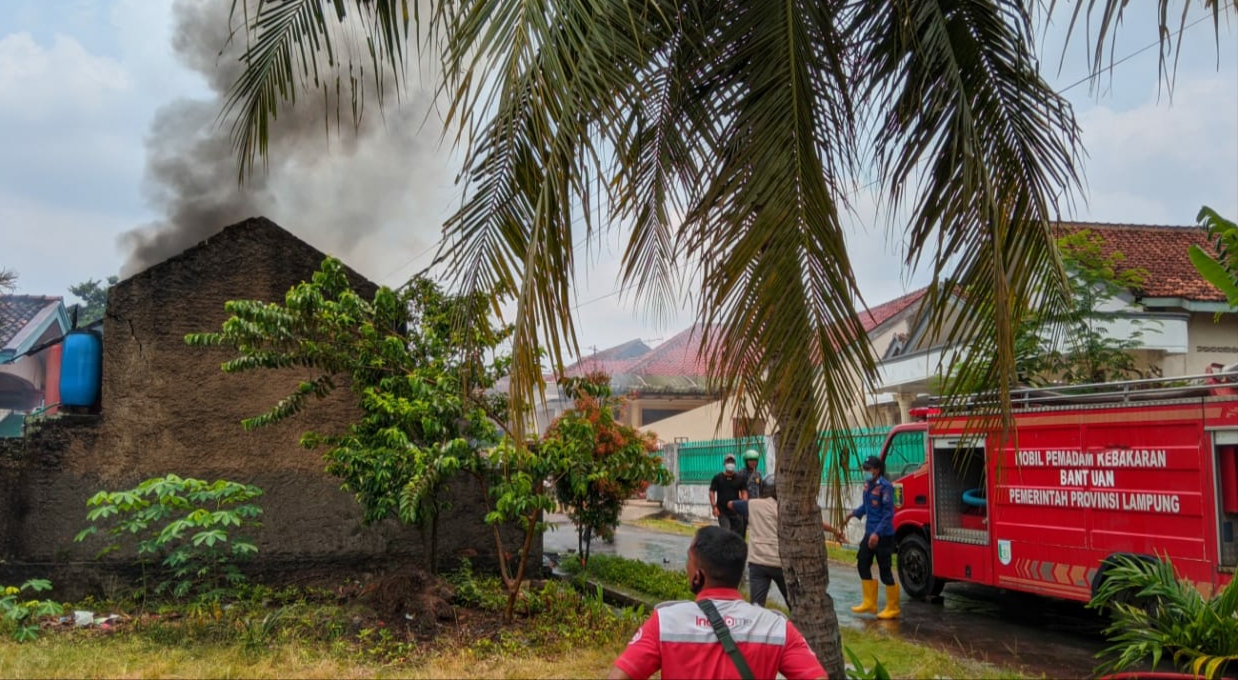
pixel 18 312
pixel 1161 250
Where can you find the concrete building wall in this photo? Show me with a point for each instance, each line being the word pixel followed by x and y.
pixel 709 421
pixel 1211 341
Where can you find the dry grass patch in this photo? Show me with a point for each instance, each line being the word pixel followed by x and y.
pixel 130 657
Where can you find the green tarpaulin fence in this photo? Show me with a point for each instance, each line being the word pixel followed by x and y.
pixel 699 461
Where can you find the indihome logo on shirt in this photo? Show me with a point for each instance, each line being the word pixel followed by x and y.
pixel 731 622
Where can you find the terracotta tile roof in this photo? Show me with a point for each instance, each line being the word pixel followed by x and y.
pixel 16 311
pixel 1162 251
pixel 681 355
pixel 611 361
pixel 882 313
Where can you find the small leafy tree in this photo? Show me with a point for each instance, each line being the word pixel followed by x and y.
pixel 606 462
pixel 428 408
pixel 93 295
pixel 423 366
pixel 188 523
pixel 1086 352
pixel 425 403
pixel 1220 271
pixel 1155 615
pixel 21 617
pixel 515 477
pixel 1071 343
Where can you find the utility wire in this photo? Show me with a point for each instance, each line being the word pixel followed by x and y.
pixel 873 183
pixel 1130 56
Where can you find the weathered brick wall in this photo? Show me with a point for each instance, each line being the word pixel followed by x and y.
pixel 168 408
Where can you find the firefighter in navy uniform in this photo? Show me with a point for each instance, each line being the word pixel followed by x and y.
pixel 877 509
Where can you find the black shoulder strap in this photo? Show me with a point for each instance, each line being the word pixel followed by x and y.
pixel 724 636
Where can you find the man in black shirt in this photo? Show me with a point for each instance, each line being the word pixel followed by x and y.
pixel 728 485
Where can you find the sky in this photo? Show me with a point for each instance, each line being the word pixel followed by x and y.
pixel 101 148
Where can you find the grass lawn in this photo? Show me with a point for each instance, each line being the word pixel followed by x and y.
pixel 397 626
pixel 131 657
pixel 384 628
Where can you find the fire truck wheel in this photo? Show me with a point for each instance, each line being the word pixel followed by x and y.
pixel 915 568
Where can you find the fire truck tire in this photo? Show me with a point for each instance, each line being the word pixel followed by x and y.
pixel 1148 604
pixel 915 567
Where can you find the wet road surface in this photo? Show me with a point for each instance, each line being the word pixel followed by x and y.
pixel 1039 635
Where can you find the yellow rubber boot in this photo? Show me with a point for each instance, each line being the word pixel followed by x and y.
pixel 892 610
pixel 869 605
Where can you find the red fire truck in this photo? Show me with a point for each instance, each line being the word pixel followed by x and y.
pixel 1086 474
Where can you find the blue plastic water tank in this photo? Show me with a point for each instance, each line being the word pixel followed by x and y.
pixel 81 368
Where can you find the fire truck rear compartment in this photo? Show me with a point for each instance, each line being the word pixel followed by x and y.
pixel 959 471
pixel 1226 443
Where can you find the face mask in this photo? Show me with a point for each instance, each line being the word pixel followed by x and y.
pixel 872 475
pixel 729 467
pixel 697 583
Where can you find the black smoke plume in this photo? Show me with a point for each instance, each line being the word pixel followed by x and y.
pixel 374 194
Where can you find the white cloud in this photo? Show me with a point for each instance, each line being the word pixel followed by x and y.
pixel 1159 161
pixel 74 121
pixel 37 82
pixel 52 247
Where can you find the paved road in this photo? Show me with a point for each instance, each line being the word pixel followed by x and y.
pixel 1058 639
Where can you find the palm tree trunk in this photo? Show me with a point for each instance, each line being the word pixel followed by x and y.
pixel 801 542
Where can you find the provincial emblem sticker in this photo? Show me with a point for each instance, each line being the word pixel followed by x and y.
pixel 1003 552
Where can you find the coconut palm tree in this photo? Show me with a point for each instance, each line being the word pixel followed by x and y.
pixel 726 138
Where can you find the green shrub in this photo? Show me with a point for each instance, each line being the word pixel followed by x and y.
pixel 21 617
pixel 1157 616
pixel 858 671
pixel 635 575
pixel 479 592
pixel 186 522
pixel 567 620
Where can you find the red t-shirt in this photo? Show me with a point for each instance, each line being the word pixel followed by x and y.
pixel 679 640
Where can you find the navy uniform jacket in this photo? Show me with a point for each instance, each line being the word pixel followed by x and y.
pixel 877 508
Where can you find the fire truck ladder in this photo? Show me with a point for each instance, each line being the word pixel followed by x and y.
pixel 1219 381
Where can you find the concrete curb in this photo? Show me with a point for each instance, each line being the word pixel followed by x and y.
pixel 611 595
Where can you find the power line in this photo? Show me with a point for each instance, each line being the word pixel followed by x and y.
pixel 411 260
pixel 875 182
pixel 1130 56
pixel 418 256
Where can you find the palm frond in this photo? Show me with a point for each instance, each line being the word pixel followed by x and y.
pixel 1101 19
pixel 969 134
pixel 537 166
pixel 293 47
pixel 660 149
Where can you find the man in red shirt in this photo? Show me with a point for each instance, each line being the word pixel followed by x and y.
pixel 679 638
